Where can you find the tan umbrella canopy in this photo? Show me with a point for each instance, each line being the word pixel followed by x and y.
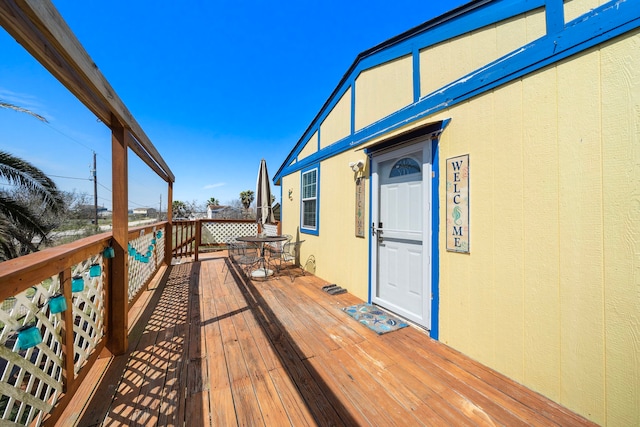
pixel 264 212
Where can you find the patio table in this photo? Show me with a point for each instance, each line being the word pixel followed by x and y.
pixel 264 271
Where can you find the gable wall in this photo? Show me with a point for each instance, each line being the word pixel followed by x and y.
pixel 448 61
pixel 337 125
pixel 383 90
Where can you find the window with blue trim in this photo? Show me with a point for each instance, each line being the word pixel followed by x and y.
pixel 309 200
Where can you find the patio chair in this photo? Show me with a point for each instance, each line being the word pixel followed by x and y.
pixel 275 248
pixel 244 255
pixel 290 254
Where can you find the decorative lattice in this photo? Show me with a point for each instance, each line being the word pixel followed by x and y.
pixel 31 380
pixel 226 232
pixel 145 255
pixel 88 310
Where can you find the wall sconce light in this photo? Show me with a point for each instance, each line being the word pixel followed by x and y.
pixel 357 166
pixel 291 194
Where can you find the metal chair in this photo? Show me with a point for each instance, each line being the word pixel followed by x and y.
pixel 275 248
pixel 245 256
pixel 290 254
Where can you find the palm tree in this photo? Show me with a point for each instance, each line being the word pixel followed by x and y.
pixel 180 209
pixel 246 198
pixel 21 218
pixel 213 201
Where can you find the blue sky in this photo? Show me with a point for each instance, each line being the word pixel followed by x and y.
pixel 216 85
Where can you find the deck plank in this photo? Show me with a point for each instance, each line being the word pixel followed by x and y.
pixel 209 347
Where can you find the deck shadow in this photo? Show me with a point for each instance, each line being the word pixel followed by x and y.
pixel 158 341
pixel 325 407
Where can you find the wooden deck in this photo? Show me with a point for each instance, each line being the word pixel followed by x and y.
pixel 211 349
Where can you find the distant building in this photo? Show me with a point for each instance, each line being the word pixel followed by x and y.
pixel 223 212
pixel 145 211
pixel 88 211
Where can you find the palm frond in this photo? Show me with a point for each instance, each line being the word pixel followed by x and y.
pixel 25 175
pixel 20 216
pixel 13 107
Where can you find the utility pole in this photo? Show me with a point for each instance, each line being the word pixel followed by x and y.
pixel 160 209
pixel 95 192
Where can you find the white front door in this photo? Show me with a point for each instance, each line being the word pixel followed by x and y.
pixel 401 243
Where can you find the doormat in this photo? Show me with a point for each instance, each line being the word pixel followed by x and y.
pixel 375 319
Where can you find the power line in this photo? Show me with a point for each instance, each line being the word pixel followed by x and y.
pixel 106 188
pixel 70 177
pixel 71 138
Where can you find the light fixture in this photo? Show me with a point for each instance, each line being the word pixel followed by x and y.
pixel 95 270
pixel 357 166
pixel 57 303
pixel 77 284
pixel 28 336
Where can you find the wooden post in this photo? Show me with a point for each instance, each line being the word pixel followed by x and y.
pixel 117 341
pixel 198 238
pixel 168 235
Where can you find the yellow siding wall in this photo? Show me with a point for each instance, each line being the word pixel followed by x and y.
pixel 383 90
pixel 337 125
pixel 291 207
pixel 341 257
pixel 575 8
pixel 310 148
pixel 549 294
pixel 450 60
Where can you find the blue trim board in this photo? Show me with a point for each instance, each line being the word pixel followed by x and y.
pixel 416 74
pixel 370 239
pixel 554 16
pixel 435 229
pixel 595 27
pixel 452 24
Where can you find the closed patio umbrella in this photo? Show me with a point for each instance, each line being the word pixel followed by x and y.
pixel 264 212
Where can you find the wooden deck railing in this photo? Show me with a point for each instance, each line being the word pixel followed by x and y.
pixel 65 296
pixel 38 378
pixel 190 236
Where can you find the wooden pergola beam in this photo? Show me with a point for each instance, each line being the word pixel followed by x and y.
pixel 41 30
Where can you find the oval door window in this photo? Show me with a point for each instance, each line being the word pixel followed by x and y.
pixel 405 166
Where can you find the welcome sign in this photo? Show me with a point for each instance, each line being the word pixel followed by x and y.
pixel 458 204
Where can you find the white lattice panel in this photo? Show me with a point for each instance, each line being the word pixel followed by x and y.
pixel 31 379
pixel 226 232
pixel 88 310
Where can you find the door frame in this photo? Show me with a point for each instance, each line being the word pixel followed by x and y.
pixel 429 155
